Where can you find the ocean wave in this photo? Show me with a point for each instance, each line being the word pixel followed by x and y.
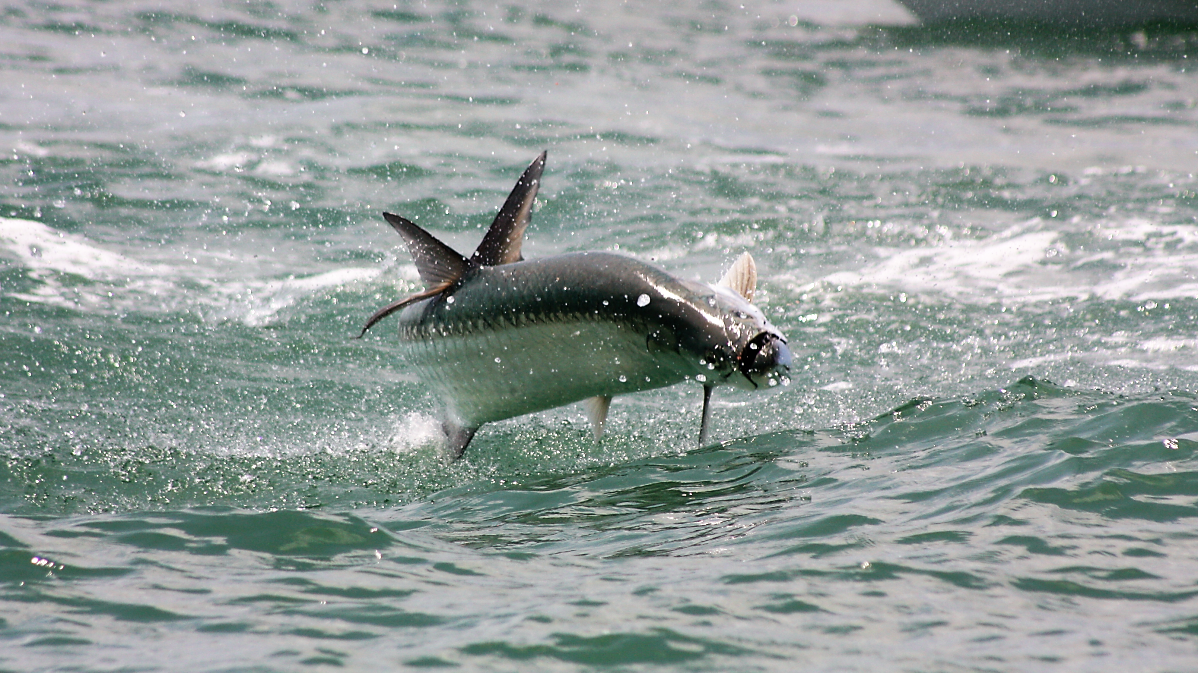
pixel 1039 261
pixel 70 271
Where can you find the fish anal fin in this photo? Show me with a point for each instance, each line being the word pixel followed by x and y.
pixel 742 277
pixel 597 412
pixel 706 422
pixel 503 240
pixel 459 437
pixel 437 263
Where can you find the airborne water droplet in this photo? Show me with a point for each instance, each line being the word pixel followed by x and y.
pixel 642 300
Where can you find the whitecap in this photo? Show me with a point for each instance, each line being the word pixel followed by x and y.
pixel 1028 263
pixel 73 272
pixel 265 299
pixel 274 168
pixel 30 149
pixel 53 257
pixel 1168 345
pixel 969 270
pixel 224 162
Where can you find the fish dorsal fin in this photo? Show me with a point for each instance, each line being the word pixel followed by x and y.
pixel 439 265
pixel 501 244
pixel 742 277
pixel 597 411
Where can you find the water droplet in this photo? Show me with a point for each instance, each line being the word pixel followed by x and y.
pixel 497 360
pixel 642 300
pixel 700 378
pixel 623 379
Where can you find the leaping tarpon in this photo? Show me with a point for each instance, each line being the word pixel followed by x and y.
pixel 496 336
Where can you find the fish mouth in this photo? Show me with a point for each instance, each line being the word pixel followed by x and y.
pixel 764 358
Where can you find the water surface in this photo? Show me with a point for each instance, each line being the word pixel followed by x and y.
pixel 982 247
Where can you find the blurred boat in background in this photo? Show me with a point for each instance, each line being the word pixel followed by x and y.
pixel 1089 14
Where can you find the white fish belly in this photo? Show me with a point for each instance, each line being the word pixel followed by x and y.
pixel 491 375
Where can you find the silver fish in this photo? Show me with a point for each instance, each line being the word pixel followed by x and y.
pixel 496 336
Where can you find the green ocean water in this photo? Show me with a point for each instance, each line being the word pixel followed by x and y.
pixel 982 244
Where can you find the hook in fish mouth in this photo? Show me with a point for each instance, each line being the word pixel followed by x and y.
pixel 764 358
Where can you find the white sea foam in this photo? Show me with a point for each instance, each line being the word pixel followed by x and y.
pixel 42 248
pixel 996 268
pixel 1126 350
pixel 274 168
pixel 30 149
pixel 1038 362
pixel 1030 263
pixel 58 261
pixel 71 271
pixel 224 162
pixel 1168 345
pixel 265 299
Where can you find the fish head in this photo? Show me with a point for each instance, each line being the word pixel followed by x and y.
pixel 745 350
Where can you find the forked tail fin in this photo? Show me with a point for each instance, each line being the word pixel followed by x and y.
pixel 441 267
pixel 502 242
pixel 437 263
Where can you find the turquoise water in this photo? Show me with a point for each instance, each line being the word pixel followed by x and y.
pixel 983 248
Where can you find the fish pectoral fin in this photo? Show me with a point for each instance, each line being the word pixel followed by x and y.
pixel 597 411
pixel 742 277
pixel 396 305
pixel 703 424
pixel 459 437
pixel 437 263
pixel 501 244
